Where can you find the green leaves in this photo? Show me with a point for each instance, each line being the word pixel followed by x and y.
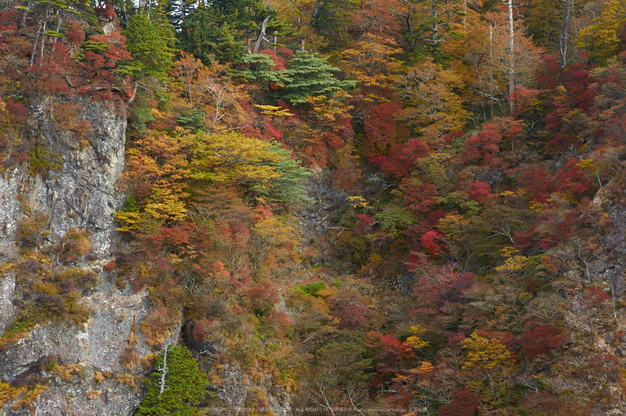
pixel 175 385
pixel 288 188
pixel 260 70
pixel 311 76
pixel 149 49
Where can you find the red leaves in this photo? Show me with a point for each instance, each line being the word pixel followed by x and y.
pixel 364 223
pixel 8 20
pixel 351 309
pixel 17 111
pixel 175 236
pixel 105 11
pixel 433 242
pixel 421 198
pixel 595 295
pixel 202 329
pixel 480 192
pixel 482 147
pixel 464 403
pixel 389 350
pixel 574 181
pixel 443 285
pixel 523 98
pixel 380 128
pixel 538 182
pixel 541 340
pixel 280 63
pixel 262 296
pixel 115 52
pixel 398 162
pixel 75 34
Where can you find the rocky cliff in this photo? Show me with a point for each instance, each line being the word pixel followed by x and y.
pixel 81 189
pixel 60 367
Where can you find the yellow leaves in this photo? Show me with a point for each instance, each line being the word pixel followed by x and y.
pixel 156 166
pixel 273 111
pixel 483 352
pixel 233 157
pixel 535 206
pixel 621 378
pixel 275 244
pixel 130 220
pixel 328 110
pixel 166 203
pixel 414 340
pixel 357 201
pixel 8 393
pixel 587 164
pixel 424 368
pixel 370 60
pixel 513 265
pixel 30 397
pixel 432 104
pixel 453 225
pixel 601 37
pixel 508 252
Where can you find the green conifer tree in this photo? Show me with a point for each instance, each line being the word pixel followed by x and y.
pixel 311 76
pixel 152 55
pixel 175 386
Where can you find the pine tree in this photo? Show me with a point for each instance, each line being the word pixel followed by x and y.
pixel 218 27
pixel 175 385
pixel 152 55
pixel 311 76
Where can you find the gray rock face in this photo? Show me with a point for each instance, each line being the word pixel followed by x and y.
pixel 83 193
pixel 315 221
pixel 96 346
pixel 80 191
pixel 7 309
pixel 609 263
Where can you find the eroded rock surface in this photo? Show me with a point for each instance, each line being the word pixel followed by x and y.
pixel 81 189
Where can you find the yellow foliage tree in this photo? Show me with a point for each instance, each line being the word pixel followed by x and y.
pixel 483 352
pixel 432 105
pixel 601 37
pixel 232 157
pixel 370 60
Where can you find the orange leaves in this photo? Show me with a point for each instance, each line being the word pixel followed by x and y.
pixel 209 89
pixel 432 106
pixel 155 168
pixel 274 244
pixel 370 60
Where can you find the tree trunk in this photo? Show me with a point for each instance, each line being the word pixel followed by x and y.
pixel 261 35
pixel 564 34
pixel 32 57
pixel 435 17
pixel 491 69
pixel 511 59
pixel 317 9
pixel 43 43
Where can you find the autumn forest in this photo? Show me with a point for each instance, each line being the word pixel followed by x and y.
pixel 363 207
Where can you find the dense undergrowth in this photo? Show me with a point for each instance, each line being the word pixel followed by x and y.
pixel 482 170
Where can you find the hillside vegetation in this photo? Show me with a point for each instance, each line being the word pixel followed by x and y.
pixel 395 207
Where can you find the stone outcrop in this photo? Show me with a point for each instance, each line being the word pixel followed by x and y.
pixel 81 190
